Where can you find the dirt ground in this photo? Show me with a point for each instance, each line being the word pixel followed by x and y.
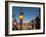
pixel 25 26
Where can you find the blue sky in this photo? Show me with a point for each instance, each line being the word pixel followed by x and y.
pixel 29 13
